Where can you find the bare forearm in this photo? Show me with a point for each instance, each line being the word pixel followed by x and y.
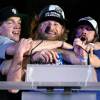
pixel 70 57
pixel 97 45
pixel 14 73
pixel 94 60
pixel 50 45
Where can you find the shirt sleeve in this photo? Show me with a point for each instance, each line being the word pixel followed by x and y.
pixel 4 44
pixel 97 53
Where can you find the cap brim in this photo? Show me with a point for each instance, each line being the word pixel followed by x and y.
pixel 61 21
pixel 84 22
pixel 20 15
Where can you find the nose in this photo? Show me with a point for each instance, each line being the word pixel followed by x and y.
pixel 49 27
pixel 84 31
pixel 17 26
pixel 83 35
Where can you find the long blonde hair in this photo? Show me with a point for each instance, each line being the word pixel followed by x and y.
pixel 34 30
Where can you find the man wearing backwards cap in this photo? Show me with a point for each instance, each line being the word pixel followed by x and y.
pixel 10 44
pixel 51 27
pixel 86 50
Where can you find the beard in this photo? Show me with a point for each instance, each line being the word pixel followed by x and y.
pixel 45 36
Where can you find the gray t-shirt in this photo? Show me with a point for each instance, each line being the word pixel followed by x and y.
pixel 5 42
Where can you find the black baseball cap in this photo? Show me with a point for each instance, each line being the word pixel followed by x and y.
pixel 53 12
pixel 7 12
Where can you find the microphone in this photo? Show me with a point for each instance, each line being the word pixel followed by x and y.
pixel 83 39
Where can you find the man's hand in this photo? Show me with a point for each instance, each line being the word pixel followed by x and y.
pixel 44 56
pixel 79 47
pixel 24 46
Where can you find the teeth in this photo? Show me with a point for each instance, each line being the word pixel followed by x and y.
pixel 52 33
pixel 15 32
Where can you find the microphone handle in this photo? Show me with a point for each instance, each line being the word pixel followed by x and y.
pixel 88 60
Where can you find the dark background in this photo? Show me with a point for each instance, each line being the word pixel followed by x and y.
pixel 74 9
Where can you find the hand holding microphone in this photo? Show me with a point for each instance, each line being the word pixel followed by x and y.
pixel 80 42
pixel 89 47
pixel 78 45
pixel 80 49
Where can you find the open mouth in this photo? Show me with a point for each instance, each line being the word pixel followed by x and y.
pixel 16 32
pixel 83 37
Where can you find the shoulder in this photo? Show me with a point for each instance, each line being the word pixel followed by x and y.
pixel 4 40
pixel 97 45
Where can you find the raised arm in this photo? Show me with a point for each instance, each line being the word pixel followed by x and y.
pixel 44 44
pixel 15 70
